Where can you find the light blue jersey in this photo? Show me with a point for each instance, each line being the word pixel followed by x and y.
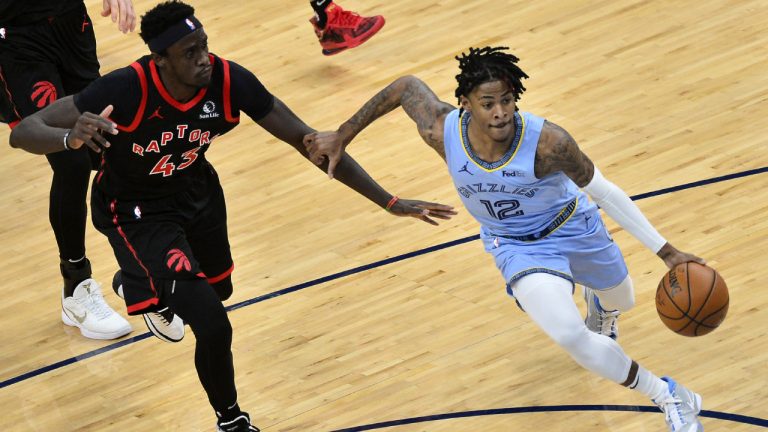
pixel 529 224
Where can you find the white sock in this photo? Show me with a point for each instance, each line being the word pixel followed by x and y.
pixel 649 385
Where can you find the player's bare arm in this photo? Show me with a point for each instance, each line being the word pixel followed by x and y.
pixel 286 126
pixel 558 151
pixel 417 99
pixel 61 127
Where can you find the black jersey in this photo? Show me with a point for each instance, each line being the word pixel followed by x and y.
pixel 160 148
pixel 23 12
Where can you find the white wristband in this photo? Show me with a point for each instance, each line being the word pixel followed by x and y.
pixel 620 208
pixel 66 135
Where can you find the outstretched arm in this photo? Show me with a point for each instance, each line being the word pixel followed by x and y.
pixel 286 126
pixel 419 102
pixel 61 127
pixel 558 151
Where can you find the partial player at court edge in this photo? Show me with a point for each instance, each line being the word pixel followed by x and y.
pixel 338 30
pixel 47 51
pixel 156 197
pixel 524 180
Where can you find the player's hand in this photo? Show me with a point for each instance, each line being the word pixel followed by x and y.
pixel 321 145
pixel 672 256
pixel 422 210
pixel 90 129
pixel 122 13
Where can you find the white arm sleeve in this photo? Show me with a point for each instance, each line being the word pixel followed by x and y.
pixel 620 208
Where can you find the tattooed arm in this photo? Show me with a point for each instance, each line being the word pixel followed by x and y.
pixel 557 151
pixel 419 102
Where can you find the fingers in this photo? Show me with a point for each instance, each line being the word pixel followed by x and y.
pixel 127 16
pixel 106 111
pixel 90 128
pixel 332 162
pixel 121 12
pixel 106 8
pixel 426 218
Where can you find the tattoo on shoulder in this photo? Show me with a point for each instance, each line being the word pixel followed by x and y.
pixel 423 106
pixel 558 151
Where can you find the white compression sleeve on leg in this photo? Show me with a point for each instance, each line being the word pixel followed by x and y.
pixel 620 208
pixel 547 299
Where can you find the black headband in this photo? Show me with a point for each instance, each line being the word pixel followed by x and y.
pixel 173 33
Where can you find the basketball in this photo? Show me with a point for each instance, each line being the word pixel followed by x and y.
pixel 692 299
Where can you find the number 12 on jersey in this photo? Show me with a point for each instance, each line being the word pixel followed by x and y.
pixel 503 209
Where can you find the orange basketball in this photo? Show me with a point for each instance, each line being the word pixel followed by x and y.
pixel 692 299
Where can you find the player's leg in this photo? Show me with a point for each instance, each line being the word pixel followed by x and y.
pixel 208 237
pixel 199 306
pixel 605 306
pixel 159 270
pixel 597 263
pixel 338 29
pixel 30 86
pixel 548 300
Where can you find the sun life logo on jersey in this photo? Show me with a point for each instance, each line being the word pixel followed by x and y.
pixel 209 110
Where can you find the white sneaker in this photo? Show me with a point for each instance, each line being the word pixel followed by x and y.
pixel 598 320
pixel 87 310
pixel 681 408
pixel 164 324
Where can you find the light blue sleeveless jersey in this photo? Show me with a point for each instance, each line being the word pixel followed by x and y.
pixel 505 196
pixel 531 225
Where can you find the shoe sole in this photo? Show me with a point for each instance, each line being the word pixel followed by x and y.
pixel 154 330
pixel 94 335
pixel 354 43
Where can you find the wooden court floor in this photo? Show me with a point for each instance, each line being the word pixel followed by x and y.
pixel 659 94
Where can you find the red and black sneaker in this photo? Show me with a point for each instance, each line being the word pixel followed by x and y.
pixel 345 29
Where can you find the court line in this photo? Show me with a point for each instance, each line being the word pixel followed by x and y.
pixel 554 408
pixel 359 269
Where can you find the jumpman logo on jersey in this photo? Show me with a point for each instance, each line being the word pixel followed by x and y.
pixel 155 114
pixel 464 169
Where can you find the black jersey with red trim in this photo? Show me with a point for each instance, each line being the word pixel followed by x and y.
pixel 160 148
pixel 23 12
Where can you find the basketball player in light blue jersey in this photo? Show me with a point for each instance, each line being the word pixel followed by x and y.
pixel 522 178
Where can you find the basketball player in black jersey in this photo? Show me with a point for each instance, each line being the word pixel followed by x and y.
pixel 48 50
pixel 155 195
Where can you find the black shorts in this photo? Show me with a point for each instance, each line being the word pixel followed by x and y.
pixel 159 242
pixel 42 62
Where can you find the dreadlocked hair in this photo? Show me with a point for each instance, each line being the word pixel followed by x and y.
pixel 482 65
pixel 162 16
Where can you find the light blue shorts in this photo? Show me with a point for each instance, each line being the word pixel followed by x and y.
pixel 580 251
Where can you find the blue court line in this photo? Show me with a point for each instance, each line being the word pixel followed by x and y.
pixel 556 408
pixel 124 342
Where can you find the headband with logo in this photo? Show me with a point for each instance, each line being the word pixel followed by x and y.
pixel 172 34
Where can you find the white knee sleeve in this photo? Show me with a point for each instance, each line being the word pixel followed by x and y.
pixel 548 300
pixel 621 297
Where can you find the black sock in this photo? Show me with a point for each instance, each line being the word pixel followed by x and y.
pixel 230 413
pixel 74 273
pixel 319 7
